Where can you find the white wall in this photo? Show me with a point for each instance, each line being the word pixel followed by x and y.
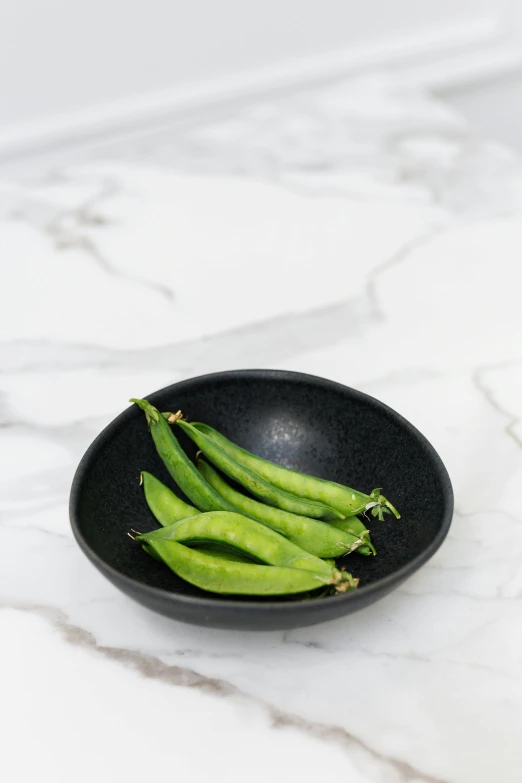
pixel 62 56
pixel 493 106
pixel 493 109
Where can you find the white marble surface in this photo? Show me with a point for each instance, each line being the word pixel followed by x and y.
pixel 360 232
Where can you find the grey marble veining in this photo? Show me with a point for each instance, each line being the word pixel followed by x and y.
pixel 360 231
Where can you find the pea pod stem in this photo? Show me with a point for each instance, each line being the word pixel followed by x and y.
pixel 355 527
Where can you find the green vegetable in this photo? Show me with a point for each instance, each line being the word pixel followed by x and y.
pixel 182 470
pixel 168 508
pixel 345 500
pixel 319 538
pixel 231 578
pixel 249 537
pixel 256 484
pixel 164 504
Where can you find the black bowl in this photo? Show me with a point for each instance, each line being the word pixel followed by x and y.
pixel 302 421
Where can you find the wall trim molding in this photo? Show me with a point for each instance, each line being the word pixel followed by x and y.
pixel 444 59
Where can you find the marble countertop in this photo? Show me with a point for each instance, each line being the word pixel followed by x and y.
pixel 359 231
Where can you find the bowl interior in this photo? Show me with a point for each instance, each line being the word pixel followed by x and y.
pixel 305 423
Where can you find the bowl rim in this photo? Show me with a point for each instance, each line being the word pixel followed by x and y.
pixel 232 603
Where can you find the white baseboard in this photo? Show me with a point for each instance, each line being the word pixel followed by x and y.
pixel 442 59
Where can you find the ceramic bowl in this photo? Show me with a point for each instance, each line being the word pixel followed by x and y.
pixel 304 422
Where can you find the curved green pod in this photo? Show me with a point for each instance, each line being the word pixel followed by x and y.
pixel 164 504
pixel 182 470
pixel 319 538
pixel 253 482
pixel 247 536
pixel 345 500
pixel 227 577
pixel 168 508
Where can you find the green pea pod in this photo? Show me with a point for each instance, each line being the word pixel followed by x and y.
pixel 168 508
pixel 319 538
pixel 347 501
pixel 255 484
pixel 217 575
pixel 210 549
pixel 164 504
pixel 225 553
pixel 247 536
pixel 182 470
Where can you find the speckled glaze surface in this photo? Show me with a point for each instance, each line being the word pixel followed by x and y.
pixel 301 421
